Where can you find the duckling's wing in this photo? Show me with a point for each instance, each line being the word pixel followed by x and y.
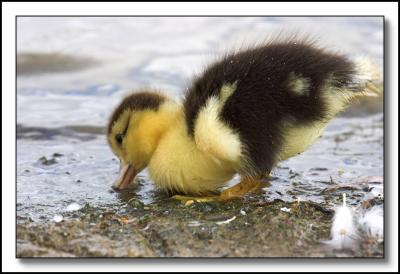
pixel 214 136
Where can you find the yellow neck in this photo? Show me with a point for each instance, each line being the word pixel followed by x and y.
pixel 146 129
pixel 177 164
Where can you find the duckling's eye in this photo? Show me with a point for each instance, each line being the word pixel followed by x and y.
pixel 119 137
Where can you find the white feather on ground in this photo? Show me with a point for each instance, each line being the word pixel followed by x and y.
pixel 346 225
pixel 372 222
pixel 343 231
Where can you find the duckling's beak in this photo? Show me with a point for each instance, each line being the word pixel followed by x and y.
pixel 127 173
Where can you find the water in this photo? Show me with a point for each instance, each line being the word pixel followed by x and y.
pixel 63 158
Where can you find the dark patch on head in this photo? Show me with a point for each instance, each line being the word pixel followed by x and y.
pixel 136 101
pixel 262 98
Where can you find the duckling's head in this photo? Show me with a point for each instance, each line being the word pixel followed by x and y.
pixel 134 130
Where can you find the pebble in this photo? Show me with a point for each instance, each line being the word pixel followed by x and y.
pixel 73 207
pixel 189 202
pixel 47 162
pixel 58 218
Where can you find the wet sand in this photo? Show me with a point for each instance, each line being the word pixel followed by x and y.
pixel 249 228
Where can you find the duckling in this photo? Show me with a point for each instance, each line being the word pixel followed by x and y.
pixel 242 115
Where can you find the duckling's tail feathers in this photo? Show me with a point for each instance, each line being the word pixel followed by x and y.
pixel 368 78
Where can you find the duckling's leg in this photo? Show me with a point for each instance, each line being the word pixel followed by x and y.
pixel 239 190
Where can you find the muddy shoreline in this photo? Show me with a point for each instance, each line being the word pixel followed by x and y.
pixel 248 228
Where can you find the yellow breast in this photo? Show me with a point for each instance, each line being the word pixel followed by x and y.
pixel 178 164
